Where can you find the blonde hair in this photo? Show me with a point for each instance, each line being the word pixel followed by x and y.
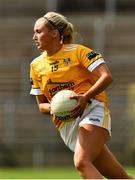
pixel 59 22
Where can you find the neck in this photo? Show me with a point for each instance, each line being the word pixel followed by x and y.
pixel 54 49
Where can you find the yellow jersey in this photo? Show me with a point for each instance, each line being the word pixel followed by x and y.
pixel 70 68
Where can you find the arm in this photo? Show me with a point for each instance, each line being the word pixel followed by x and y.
pixel 43 104
pixel 104 79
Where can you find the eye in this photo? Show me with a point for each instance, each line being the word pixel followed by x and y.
pixel 37 31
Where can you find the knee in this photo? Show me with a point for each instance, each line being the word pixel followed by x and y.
pixel 80 163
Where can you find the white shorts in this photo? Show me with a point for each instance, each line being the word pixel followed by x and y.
pixel 96 113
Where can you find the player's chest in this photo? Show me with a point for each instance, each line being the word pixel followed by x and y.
pixel 58 66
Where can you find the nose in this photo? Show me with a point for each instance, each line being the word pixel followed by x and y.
pixel 34 37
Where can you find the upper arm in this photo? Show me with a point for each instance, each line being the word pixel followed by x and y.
pixel 35 88
pixel 88 58
pixel 103 71
pixel 94 62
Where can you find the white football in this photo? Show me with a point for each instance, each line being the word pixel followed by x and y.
pixel 61 104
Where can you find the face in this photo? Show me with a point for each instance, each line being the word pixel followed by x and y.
pixel 43 36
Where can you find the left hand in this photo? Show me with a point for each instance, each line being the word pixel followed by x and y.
pixel 80 107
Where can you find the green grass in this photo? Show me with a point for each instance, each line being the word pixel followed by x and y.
pixel 131 171
pixel 46 173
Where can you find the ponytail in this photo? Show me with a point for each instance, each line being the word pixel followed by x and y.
pixel 68 34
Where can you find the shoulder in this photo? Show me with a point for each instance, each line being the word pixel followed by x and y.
pixel 76 48
pixel 70 47
pixel 37 64
pixel 83 48
pixel 37 61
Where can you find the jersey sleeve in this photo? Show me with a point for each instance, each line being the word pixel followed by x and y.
pixel 89 58
pixel 35 89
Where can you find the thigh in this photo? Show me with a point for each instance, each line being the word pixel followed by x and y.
pixel 91 140
pixel 108 165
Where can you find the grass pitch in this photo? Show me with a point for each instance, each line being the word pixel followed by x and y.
pixel 43 173
pixel 46 173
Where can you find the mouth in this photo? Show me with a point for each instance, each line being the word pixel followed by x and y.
pixel 37 43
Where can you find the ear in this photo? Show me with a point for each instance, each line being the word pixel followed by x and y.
pixel 55 33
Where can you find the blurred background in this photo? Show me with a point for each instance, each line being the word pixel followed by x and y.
pixel 27 137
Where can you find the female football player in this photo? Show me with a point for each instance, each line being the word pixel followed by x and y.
pixel 65 65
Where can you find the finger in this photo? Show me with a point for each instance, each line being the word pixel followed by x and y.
pixel 74 97
pixel 77 112
pixel 81 114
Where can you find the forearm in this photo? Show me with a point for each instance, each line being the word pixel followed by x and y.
pixel 101 84
pixel 44 108
pixel 43 104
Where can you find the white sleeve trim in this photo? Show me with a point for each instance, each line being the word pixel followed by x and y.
pixel 95 64
pixel 36 92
